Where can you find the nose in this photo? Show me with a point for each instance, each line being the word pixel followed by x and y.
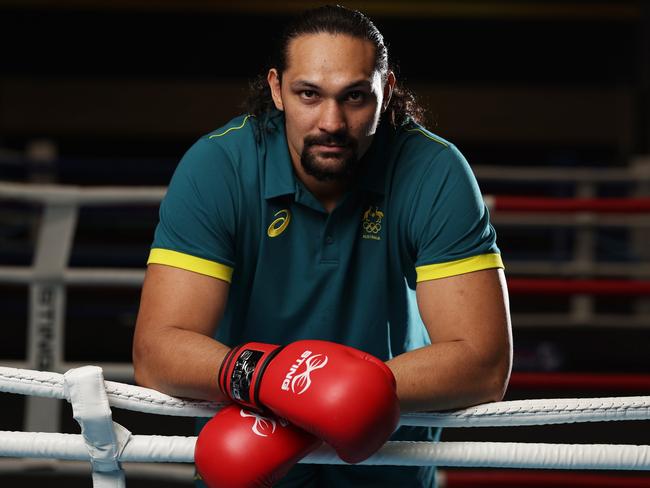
pixel 332 118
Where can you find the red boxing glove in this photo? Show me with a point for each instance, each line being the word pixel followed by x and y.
pixel 242 449
pixel 338 393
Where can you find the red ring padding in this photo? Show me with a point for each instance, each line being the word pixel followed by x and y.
pixel 580 381
pixel 540 479
pixel 504 203
pixel 572 287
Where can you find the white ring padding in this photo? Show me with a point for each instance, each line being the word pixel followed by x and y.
pixel 104 438
pixel 67 194
pixel 398 453
pixel 513 413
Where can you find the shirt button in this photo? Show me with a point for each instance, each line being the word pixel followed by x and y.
pixel 329 239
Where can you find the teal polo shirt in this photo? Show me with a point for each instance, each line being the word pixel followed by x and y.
pixel 234 210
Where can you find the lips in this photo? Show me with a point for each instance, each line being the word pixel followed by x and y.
pixel 329 148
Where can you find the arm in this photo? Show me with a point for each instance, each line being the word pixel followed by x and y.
pixel 470 356
pixel 173 349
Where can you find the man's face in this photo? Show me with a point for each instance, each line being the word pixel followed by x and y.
pixel 332 98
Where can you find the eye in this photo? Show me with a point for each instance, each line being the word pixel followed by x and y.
pixel 308 94
pixel 356 96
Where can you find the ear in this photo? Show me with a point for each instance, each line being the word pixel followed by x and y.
pixel 273 79
pixel 388 89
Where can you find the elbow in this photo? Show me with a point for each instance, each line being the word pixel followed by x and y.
pixel 494 386
pixel 499 386
pixel 496 362
pixel 496 376
pixel 499 379
pixel 141 369
pixel 139 375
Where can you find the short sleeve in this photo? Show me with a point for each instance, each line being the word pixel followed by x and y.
pixel 197 218
pixel 450 224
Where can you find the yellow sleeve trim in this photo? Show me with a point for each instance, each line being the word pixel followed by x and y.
pixel 428 136
pixel 461 266
pixel 190 263
pixel 231 128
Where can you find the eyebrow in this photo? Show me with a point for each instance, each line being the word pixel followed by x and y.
pixel 308 84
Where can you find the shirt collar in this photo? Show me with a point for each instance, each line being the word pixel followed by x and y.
pixel 375 162
pixel 279 178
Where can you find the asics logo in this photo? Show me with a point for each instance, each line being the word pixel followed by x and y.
pixel 280 223
pixel 262 426
pixel 300 383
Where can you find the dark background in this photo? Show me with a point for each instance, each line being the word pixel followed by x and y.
pixel 117 91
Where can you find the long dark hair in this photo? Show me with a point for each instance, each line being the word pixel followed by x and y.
pixel 333 19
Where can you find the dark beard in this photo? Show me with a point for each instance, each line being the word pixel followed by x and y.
pixel 345 170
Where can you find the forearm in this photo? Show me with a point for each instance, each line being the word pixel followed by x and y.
pixel 179 362
pixel 448 375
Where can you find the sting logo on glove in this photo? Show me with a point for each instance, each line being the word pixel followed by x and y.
pixel 263 426
pixel 302 381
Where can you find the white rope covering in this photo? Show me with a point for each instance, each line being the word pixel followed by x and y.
pixel 502 455
pixel 513 413
pixel 127 397
pixel 537 412
pixel 143 448
pixel 72 447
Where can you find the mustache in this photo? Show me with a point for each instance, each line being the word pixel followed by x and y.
pixel 335 139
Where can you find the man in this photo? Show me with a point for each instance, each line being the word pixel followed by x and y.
pixel 320 215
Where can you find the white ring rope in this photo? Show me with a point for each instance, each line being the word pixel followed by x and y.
pixel 176 449
pixel 71 194
pixel 127 397
pixel 501 455
pixel 143 448
pixel 71 447
pixel 512 413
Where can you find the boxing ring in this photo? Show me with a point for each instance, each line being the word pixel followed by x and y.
pixel 106 444
pixel 103 445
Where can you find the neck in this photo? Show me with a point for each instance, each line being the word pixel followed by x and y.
pixel 328 193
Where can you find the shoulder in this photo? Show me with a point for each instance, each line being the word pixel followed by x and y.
pixel 223 148
pixel 234 132
pixel 235 138
pixel 421 151
pixel 421 138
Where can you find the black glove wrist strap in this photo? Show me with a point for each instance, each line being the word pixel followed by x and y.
pixel 241 373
